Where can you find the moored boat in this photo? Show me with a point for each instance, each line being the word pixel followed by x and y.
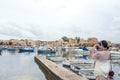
pixel 66 64
pixel 55 58
pixel 115 55
pixel 24 50
pixel 11 49
pixel 46 52
pixel 88 73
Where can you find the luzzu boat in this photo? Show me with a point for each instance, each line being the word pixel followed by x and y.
pixel 24 50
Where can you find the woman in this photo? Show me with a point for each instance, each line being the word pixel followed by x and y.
pixel 102 60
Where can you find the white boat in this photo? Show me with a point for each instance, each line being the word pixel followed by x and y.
pixel 75 61
pixel 115 55
pixel 88 73
pixel 80 51
pixel 66 64
pixel 55 58
pixel 75 68
pixel 115 52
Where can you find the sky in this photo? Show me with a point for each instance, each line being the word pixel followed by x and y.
pixel 53 19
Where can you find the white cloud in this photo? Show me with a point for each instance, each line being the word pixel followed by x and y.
pixel 52 19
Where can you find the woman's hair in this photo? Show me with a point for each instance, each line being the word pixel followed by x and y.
pixel 104 44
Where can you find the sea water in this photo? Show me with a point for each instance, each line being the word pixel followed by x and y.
pixel 19 67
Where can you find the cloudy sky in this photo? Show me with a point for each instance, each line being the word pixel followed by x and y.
pixel 52 19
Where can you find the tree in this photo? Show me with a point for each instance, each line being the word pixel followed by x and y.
pixel 65 39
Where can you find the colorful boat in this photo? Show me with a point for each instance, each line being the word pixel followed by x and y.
pixel 46 52
pixel 24 50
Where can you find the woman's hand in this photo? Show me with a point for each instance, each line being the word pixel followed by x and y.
pixel 96 45
pixel 93 49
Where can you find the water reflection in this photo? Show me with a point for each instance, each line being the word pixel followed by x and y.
pixel 19 67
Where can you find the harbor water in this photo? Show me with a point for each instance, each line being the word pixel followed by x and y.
pixel 19 67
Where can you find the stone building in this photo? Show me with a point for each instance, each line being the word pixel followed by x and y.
pixel 37 42
pixel 64 42
pixel 72 42
pixel 30 42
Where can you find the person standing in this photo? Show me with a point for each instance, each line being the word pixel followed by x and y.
pixel 102 60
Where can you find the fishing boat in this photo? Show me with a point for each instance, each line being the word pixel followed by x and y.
pixel 84 56
pixel 4 48
pixel 46 52
pixel 74 64
pixel 81 61
pixel 11 49
pixel 66 64
pixel 83 48
pixel 75 68
pixel 55 58
pixel 115 52
pixel 24 50
pixel 88 73
pixel 115 55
